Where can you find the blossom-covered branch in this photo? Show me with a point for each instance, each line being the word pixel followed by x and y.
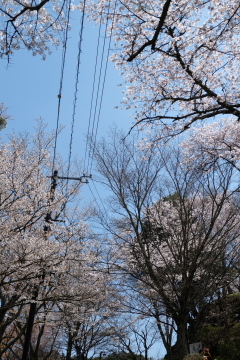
pixel 34 25
pixel 180 59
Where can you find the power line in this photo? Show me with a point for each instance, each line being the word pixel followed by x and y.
pixel 99 196
pixel 94 136
pixel 93 90
pixel 98 87
pixel 68 4
pixel 76 85
pixel 95 199
pixel 99 92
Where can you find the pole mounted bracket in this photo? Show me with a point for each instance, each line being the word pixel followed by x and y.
pixel 55 177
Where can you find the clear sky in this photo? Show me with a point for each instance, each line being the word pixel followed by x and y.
pixel 30 87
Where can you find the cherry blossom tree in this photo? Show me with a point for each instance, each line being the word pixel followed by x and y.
pixel 38 263
pixel 46 336
pixel 180 58
pixel 86 326
pixel 175 228
pixel 213 143
pixel 35 25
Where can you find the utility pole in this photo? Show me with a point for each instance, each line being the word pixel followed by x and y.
pixel 47 228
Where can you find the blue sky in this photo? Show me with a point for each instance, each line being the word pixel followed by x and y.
pixel 30 87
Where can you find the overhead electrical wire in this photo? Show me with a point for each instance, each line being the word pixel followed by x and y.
pixel 103 86
pixel 94 109
pixel 99 196
pixel 98 89
pixel 76 85
pixel 91 131
pixel 68 5
pixel 97 96
pixel 92 134
pixel 95 199
pixel 93 90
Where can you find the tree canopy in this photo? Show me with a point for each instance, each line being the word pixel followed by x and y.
pixel 35 25
pixel 175 229
pixel 180 59
pixel 57 266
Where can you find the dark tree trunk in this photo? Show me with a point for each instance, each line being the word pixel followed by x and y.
pixel 69 346
pixel 182 339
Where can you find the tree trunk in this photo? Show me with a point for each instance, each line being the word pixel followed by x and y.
pixel 182 339
pixel 69 346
